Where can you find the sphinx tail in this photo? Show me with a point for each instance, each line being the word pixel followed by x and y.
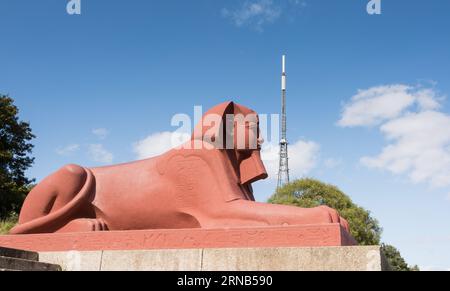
pixel 57 219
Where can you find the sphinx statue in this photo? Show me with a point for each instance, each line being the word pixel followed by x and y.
pixel 205 183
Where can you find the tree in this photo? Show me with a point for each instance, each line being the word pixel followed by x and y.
pixel 395 259
pixel 309 193
pixel 15 148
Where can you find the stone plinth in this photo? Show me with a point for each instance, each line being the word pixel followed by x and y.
pixel 290 248
pixel 355 258
pixel 321 235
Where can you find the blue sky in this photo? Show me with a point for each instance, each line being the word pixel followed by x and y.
pixel 366 93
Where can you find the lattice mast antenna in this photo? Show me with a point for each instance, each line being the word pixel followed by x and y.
pixel 283 170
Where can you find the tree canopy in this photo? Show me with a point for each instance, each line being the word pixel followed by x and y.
pixel 15 150
pixel 395 259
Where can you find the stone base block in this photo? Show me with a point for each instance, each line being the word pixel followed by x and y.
pixel 355 258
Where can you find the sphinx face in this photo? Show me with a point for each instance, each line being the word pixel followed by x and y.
pixel 247 135
pixel 234 128
pixel 229 126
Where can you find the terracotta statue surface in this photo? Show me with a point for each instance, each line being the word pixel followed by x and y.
pixel 206 183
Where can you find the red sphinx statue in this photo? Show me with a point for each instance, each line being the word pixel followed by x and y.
pixel 206 183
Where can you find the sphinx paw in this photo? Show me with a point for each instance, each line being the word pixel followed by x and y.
pixel 334 217
pixel 84 225
pixel 99 225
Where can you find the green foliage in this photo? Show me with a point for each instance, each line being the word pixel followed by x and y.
pixel 15 147
pixel 395 259
pixel 309 193
pixel 7 224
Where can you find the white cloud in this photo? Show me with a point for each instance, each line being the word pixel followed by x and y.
pixel 254 13
pixel 99 154
pixel 303 156
pixel 418 134
pixel 158 143
pixel 428 99
pixel 100 133
pixel 301 3
pixel 259 13
pixel 420 148
pixel 67 150
pixel 378 104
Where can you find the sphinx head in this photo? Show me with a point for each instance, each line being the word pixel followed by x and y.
pixel 233 128
pixel 229 126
